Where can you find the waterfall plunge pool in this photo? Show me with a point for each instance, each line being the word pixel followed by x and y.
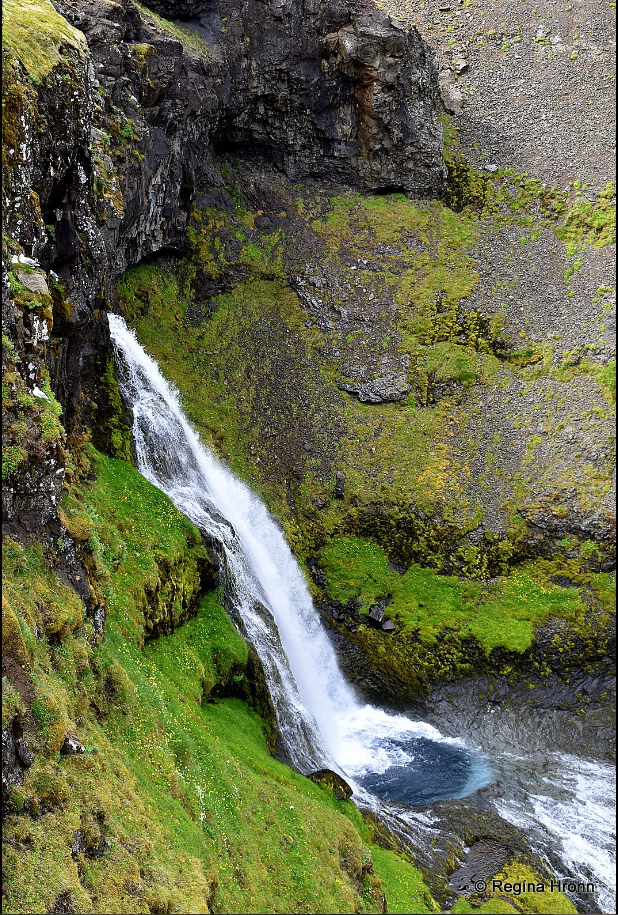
pixel 321 720
pixel 429 771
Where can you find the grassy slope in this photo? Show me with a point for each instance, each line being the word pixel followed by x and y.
pixel 179 803
pixel 36 33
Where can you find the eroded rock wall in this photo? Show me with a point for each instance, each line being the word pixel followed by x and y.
pixel 332 90
pixel 107 153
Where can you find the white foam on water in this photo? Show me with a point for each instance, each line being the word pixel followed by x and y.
pixel 575 818
pixel 370 740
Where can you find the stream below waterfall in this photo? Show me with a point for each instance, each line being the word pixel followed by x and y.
pixel 388 759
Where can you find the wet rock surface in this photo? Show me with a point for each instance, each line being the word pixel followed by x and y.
pixel 571 714
pixel 329 779
pixel 483 861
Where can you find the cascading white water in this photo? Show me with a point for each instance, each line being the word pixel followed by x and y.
pixel 571 810
pixel 321 721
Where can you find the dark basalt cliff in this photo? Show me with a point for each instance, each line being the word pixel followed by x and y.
pixel 105 157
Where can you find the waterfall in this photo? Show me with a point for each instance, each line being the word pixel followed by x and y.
pixel 320 719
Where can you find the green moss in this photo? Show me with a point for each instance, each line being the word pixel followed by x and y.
pixel 520 895
pixel 36 33
pixel 588 223
pixel 573 364
pixel 606 377
pixel 12 703
pixel 155 552
pixel 36 601
pixel 466 188
pixel 114 430
pixel 499 614
pixel 402 883
pixel 190 39
pixel 13 456
pixel 46 603
pixel 432 242
pixel 452 362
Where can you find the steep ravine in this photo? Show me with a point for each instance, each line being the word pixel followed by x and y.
pixel 235 183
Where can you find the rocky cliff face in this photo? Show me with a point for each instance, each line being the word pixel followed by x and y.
pixel 333 91
pixel 107 151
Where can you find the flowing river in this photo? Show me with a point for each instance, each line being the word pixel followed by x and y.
pixel 321 720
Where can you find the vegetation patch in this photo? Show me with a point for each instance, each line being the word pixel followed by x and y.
pixel 501 613
pixel 36 34
pixel 191 40
pixel 175 803
pixel 520 895
pixel 146 557
pixel 403 884
pixel 590 223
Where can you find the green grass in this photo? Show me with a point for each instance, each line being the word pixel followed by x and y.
pixel 499 614
pixel 37 34
pixel 194 813
pixel 403 884
pixel 143 550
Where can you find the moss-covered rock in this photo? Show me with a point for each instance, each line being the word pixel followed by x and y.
pixel 377 282
pixel 530 623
